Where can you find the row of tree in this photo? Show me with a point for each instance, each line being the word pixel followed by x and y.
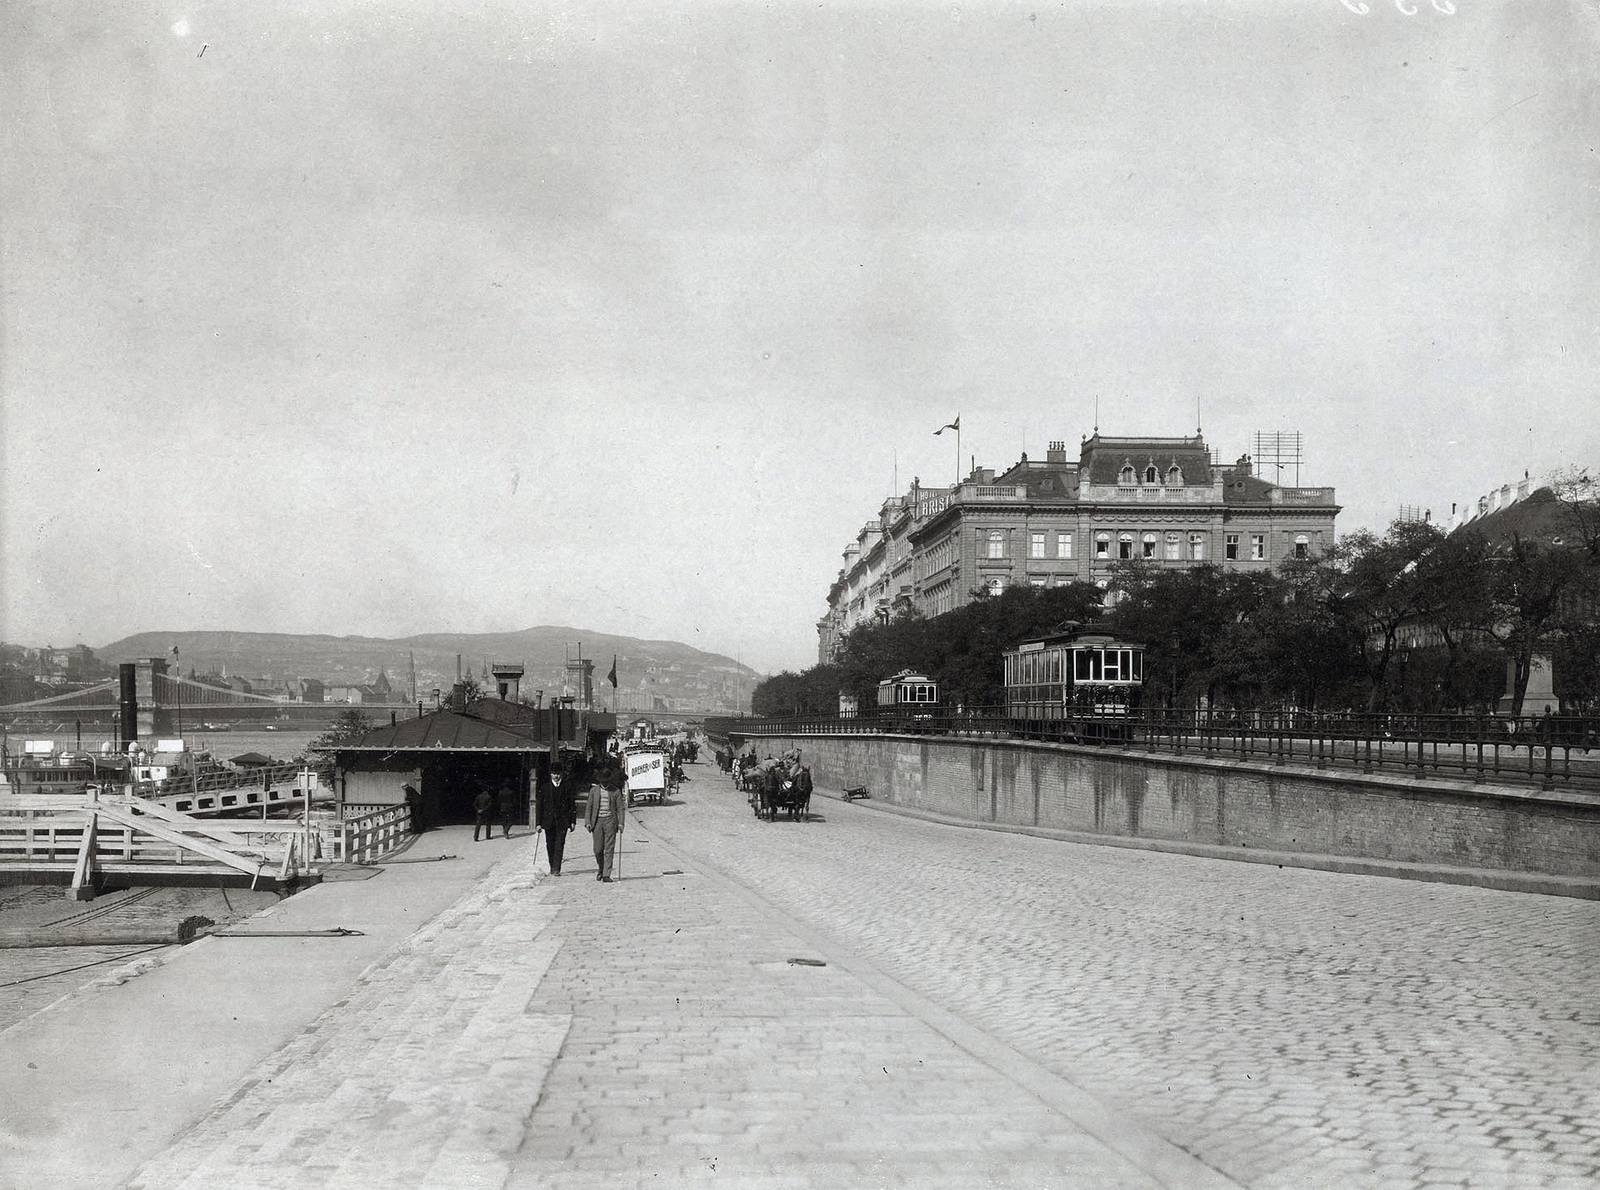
pixel 1413 619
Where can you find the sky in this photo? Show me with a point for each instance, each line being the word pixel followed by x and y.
pixel 385 319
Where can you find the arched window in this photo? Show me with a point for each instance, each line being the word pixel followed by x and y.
pixel 1174 547
pixel 1102 545
pixel 1175 476
pixel 1150 474
pixel 1125 477
pixel 1302 546
pixel 1125 545
pixel 996 584
pixel 1149 544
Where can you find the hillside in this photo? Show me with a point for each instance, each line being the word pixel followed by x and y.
pixel 646 669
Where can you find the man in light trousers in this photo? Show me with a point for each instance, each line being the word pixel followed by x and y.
pixel 605 818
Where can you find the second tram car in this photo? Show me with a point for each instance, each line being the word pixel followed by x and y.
pixel 1084 677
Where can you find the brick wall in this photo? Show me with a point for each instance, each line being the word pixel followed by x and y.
pixel 1223 803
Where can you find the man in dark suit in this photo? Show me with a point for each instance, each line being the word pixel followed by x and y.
pixel 557 811
pixel 608 808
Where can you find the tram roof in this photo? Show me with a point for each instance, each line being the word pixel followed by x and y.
pixel 1090 635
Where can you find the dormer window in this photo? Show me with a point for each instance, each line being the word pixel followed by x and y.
pixel 1126 477
pixel 1175 476
pixel 1150 474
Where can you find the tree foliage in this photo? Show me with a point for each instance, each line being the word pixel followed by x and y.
pixel 348 726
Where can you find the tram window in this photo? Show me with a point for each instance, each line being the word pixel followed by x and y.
pixel 1112 671
pixel 1138 665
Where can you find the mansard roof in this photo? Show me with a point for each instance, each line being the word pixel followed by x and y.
pixel 1101 459
pixel 1244 489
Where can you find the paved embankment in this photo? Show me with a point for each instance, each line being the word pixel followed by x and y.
pixel 103 1079
pixel 993 1010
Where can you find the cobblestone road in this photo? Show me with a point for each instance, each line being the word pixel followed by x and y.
pixel 1292 1028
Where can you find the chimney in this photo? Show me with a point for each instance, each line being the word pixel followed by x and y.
pixel 458 697
pixel 508 679
pixel 1057 453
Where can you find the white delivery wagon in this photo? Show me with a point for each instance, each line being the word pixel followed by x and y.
pixel 649 774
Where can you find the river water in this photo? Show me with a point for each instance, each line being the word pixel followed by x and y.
pixel 282 745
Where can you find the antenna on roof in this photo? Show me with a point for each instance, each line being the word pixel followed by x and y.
pixel 1197 421
pixel 1097 413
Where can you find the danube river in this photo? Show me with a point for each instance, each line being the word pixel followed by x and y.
pixel 285 744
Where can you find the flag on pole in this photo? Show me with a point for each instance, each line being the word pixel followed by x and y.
pixel 955 425
pixel 612 676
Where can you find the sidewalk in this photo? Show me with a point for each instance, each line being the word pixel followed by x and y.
pixel 543 1032
pixel 105 1078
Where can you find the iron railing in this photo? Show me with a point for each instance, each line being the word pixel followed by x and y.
pixel 1548 751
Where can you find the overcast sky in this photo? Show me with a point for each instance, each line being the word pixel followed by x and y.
pixel 384 319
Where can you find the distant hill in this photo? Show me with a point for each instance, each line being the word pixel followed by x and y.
pixel 646 669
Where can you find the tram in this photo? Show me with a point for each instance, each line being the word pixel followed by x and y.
pixel 1084 678
pixel 908 691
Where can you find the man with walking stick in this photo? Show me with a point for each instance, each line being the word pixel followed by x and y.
pixel 557 812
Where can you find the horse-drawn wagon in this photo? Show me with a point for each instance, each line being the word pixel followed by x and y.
pixel 776 786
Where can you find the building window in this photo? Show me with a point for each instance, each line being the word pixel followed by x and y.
pixel 1125 545
pixel 1150 473
pixel 1175 476
pixel 997 584
pixel 1173 547
pixel 1038 580
pixel 1063 545
pixel 1231 547
pixel 1036 545
pixel 997 544
pixel 1258 547
pixel 1197 547
pixel 1102 545
pixel 1125 476
pixel 1149 544
pixel 1302 546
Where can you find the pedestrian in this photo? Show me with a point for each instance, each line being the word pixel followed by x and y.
pixel 507 808
pixel 557 812
pixel 608 805
pixel 482 807
pixel 414 804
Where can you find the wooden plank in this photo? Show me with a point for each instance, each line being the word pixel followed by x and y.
pixel 82 886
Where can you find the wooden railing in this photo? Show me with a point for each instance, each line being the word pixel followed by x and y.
pixel 363 837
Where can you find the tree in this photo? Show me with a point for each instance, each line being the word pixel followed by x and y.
pixel 348 726
pixel 1376 586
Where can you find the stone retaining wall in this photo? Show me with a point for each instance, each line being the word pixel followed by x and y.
pixel 1215 802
